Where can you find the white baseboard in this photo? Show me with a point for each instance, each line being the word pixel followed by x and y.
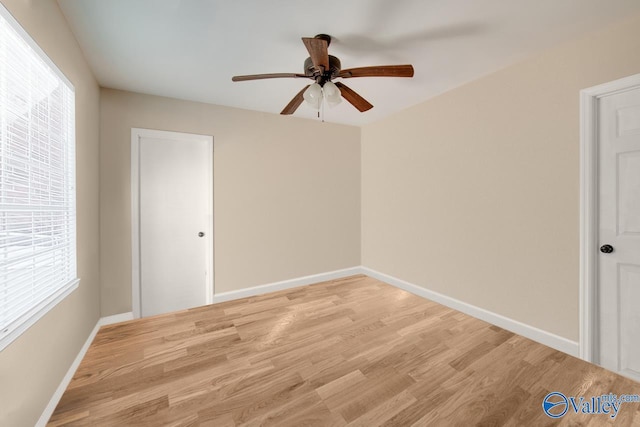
pixel 48 411
pixel 53 402
pixel 547 338
pixel 286 284
pixel 116 318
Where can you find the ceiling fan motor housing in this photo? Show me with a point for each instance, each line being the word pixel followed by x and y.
pixel 334 69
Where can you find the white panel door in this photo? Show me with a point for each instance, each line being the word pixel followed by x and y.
pixel 619 221
pixel 174 183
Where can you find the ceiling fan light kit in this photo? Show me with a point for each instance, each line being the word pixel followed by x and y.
pixel 323 68
pixel 313 96
pixel 331 94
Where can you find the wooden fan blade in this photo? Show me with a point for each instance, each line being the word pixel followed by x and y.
pixel 293 105
pixel 267 76
pixel 318 52
pixel 356 100
pixel 379 71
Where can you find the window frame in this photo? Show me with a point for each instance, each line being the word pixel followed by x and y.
pixel 36 311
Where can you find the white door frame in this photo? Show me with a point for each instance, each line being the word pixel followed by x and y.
pixel 589 210
pixel 136 134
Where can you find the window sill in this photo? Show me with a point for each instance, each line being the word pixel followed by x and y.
pixel 14 330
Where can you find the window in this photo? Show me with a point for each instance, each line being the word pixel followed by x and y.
pixel 37 182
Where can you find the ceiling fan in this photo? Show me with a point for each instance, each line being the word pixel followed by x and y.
pixel 323 68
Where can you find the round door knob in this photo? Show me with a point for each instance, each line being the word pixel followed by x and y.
pixel 606 249
pixel 201 234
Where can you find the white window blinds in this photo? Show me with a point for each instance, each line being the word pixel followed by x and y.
pixel 37 182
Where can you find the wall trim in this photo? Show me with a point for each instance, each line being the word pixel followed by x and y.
pixel 547 338
pixel 589 340
pixel 286 284
pixel 57 395
pixel 116 318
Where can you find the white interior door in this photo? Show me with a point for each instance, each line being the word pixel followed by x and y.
pixel 619 228
pixel 175 221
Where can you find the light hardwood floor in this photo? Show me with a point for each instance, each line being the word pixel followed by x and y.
pixel 353 351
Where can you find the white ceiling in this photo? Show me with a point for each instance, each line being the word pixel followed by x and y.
pixel 190 49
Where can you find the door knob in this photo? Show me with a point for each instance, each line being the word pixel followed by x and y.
pixel 201 234
pixel 606 249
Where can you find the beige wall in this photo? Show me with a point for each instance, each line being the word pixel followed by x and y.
pixel 32 367
pixel 286 191
pixel 475 194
